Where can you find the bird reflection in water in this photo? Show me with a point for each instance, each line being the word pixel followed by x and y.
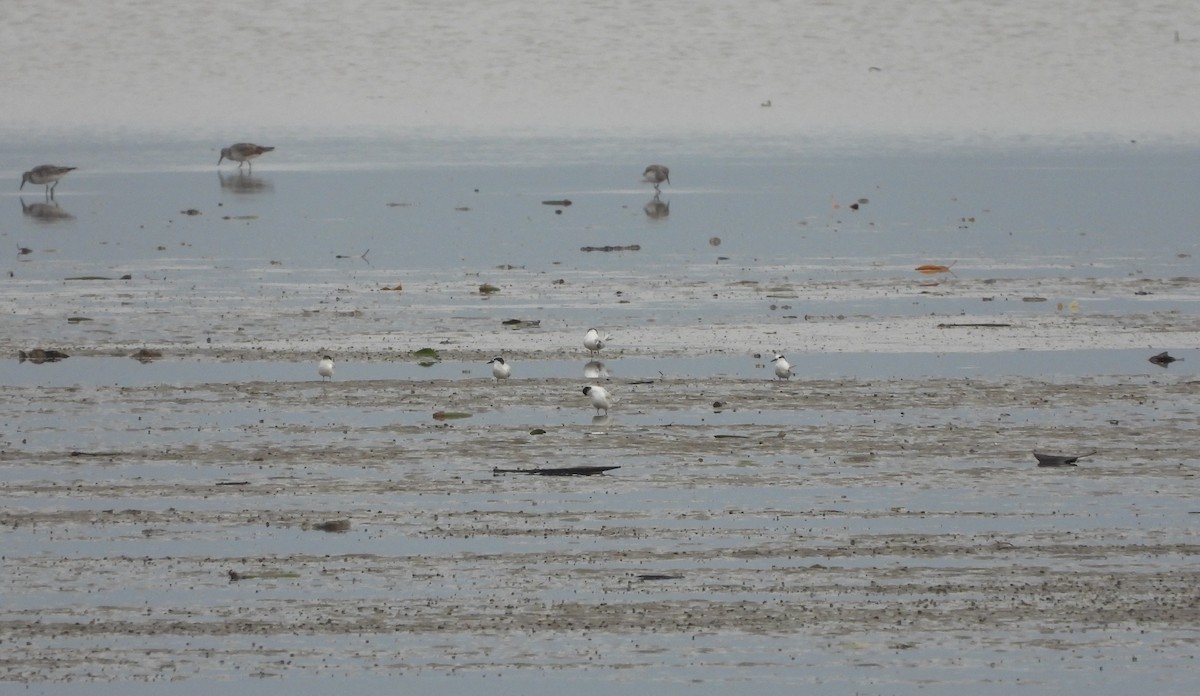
pixel 50 211
pixel 244 183
pixel 595 370
pixel 657 209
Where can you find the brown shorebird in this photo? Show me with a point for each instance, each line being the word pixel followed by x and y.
pixel 656 174
pixel 242 153
pixel 47 174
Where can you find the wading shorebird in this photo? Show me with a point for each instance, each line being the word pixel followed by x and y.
pixel 500 368
pixel 593 341
pixel 600 397
pixel 242 153
pixel 656 174
pixel 47 174
pixel 325 368
pixel 783 370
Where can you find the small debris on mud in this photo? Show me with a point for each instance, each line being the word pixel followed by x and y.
pixel 37 356
pixel 560 471
pixel 337 526
pixel 146 355
pixel 1048 460
pixel 449 415
pixel 630 247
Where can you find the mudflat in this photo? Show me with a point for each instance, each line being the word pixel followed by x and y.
pixel 220 513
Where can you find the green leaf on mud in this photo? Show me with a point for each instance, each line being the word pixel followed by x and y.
pixel 449 415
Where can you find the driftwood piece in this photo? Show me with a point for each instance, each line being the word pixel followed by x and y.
pixel 559 471
pixel 610 247
pixel 1046 459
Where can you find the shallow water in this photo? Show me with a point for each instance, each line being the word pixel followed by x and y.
pixel 875 523
pixel 1058 364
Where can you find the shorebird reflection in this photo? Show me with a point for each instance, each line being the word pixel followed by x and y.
pixel 45 212
pixel 245 183
pixel 595 370
pixel 657 209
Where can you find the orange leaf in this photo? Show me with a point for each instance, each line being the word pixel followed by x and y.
pixel 931 268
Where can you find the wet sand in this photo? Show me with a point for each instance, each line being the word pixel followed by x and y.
pixel 894 527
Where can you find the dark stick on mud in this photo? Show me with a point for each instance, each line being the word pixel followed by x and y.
pixel 1045 459
pixel 560 471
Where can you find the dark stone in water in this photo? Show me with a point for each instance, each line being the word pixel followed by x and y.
pixel 1162 359
pixel 37 356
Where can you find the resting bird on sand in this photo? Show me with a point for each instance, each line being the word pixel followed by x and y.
pixel 325 368
pixel 600 397
pixel 593 341
pixel 783 370
pixel 242 153
pixel 500 368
